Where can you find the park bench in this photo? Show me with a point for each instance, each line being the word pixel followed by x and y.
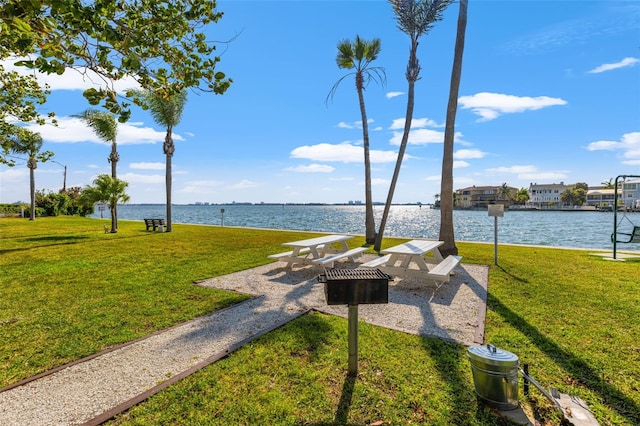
pixel 154 224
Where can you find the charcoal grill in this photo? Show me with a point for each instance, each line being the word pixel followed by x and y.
pixel 355 286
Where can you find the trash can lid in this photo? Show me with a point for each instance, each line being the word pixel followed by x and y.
pixel 489 354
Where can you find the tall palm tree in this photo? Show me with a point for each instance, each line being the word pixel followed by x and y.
pixel 415 18
pixel 446 182
pixel 105 126
pixel 358 56
pixel 24 141
pixel 109 190
pixel 166 111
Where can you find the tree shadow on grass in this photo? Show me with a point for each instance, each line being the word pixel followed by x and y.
pixel 573 364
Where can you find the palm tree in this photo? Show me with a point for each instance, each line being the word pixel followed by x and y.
pixel 415 18
pixel 504 192
pixel 166 111
pixel 109 190
pixel 446 182
pixel 358 55
pixel 24 141
pixel 105 126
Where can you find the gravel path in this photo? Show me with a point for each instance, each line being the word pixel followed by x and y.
pixel 97 388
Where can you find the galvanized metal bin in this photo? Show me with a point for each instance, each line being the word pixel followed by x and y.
pixel 495 376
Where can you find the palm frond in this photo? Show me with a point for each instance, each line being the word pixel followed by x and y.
pixel 102 123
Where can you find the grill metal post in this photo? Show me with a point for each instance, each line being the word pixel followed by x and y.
pixel 352 287
pixel 353 340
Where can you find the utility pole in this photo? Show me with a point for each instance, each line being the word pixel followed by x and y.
pixel 64 182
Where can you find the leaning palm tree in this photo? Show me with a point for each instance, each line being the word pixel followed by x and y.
pixel 415 18
pixel 446 182
pixel 358 56
pixel 109 190
pixel 24 141
pixel 166 111
pixel 105 126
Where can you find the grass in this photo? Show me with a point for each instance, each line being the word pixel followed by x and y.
pixel 68 290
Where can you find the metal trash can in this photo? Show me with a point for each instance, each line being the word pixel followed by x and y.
pixel 495 376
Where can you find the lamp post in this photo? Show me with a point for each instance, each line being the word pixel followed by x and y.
pixel 64 182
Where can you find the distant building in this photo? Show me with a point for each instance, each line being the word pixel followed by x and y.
pixel 542 196
pixel 479 197
pixel 600 197
pixel 630 196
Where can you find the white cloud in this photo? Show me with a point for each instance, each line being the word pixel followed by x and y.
pixel 354 125
pixel 513 169
pixel 73 79
pixel 419 137
pixel 398 123
pixel 491 105
pixel 544 176
pixel 312 168
pixel 530 173
pixel 345 153
pixel 626 62
pixel 147 166
pixel 245 184
pixel 201 187
pixel 469 154
pixel 459 164
pixel 133 178
pixel 74 130
pixel 629 144
pixel 390 95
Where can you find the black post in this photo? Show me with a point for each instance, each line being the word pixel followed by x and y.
pixel 525 367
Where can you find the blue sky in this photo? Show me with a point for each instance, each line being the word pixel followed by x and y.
pixel 550 93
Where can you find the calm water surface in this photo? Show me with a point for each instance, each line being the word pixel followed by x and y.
pixel 547 228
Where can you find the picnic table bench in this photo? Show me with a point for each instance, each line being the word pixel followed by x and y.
pixel 318 251
pixel 399 260
pixel 154 224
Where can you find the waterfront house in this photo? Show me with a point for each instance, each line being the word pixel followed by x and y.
pixel 543 196
pixel 479 197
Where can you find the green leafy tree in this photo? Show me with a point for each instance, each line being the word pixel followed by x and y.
pixel 446 181
pixel 568 197
pixel 522 196
pixel 106 128
pixel 167 112
pixel 358 55
pixel 414 18
pixel 50 203
pixel 20 97
pixel 30 143
pixel 160 44
pixel 108 190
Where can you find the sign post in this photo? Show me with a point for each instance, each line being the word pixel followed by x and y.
pixel 495 210
pixel 221 217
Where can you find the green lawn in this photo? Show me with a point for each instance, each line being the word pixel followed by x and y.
pixel 69 290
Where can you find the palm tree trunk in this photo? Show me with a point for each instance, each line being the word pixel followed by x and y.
pixel 113 159
pixel 114 218
pixel 169 149
pixel 370 225
pixel 32 187
pixel 446 188
pixel 413 70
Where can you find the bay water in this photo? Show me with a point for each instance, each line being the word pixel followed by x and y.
pixel 576 229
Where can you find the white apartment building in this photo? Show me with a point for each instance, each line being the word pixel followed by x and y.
pixel 546 195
